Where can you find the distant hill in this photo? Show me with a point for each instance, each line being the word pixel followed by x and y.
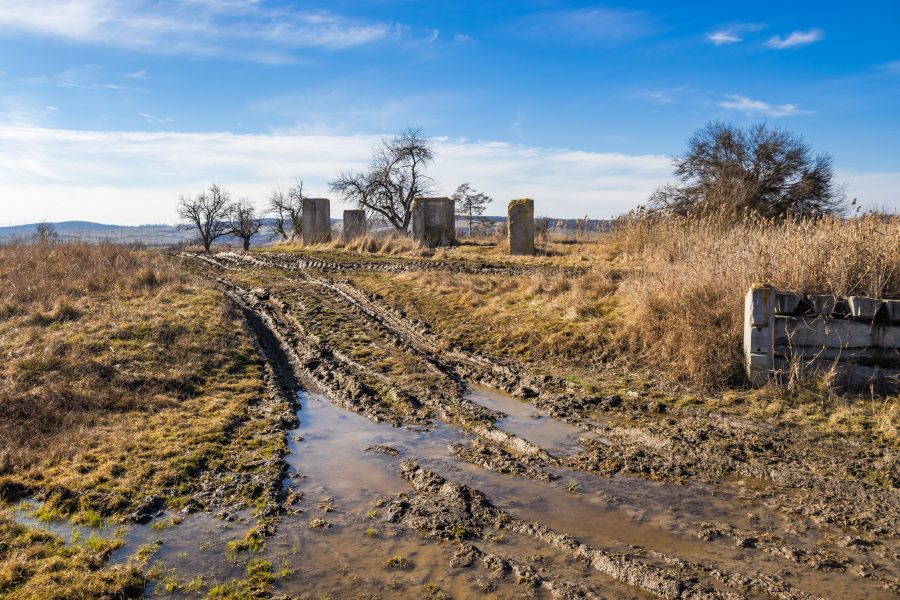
pixel 150 235
pixel 168 235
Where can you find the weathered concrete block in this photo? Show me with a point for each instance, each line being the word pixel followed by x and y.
pixel 434 221
pixel 759 334
pixel 862 307
pixel 786 303
pixel 822 304
pixel 521 226
pixel 354 224
pixel 316 220
pixel 893 310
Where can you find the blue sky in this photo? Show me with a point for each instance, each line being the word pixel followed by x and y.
pixel 111 108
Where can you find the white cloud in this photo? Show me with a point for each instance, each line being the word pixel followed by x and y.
pixel 596 25
pixel 750 106
pixel 723 37
pixel 136 177
pixel 796 38
pixel 137 75
pixel 246 29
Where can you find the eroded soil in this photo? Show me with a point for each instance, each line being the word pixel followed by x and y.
pixel 419 469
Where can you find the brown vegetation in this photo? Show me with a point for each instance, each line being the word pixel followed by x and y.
pixel 125 378
pixel 118 369
pixel 686 279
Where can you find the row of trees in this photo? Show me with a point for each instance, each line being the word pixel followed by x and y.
pixel 727 171
pixel 386 189
pixel 213 214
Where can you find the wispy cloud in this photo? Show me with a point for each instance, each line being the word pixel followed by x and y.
pixel 516 126
pixel 113 176
pixel 667 96
pixel 137 75
pixel 795 38
pixel 254 29
pixel 750 106
pixel 154 119
pixel 720 38
pixel 338 107
pixel 733 33
pixel 891 67
pixel 593 25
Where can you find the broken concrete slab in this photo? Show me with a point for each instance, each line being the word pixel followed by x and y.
pixel 786 303
pixel 822 304
pixel 862 307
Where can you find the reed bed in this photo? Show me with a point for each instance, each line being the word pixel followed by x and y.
pixel 682 296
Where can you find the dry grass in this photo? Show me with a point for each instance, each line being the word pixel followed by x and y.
pixel 123 377
pixel 536 318
pixel 392 244
pixel 683 295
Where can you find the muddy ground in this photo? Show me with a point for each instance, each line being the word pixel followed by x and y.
pixel 423 470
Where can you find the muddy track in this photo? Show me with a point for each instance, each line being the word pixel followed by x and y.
pixel 801 483
pixel 300 262
pixel 672 449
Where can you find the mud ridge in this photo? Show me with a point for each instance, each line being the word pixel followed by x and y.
pixel 445 510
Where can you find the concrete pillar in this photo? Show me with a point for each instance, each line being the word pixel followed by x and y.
pixel 316 220
pixel 434 221
pixel 521 226
pixel 354 224
pixel 759 334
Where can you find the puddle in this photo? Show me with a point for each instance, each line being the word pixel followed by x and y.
pixel 524 420
pixel 341 482
pixel 23 513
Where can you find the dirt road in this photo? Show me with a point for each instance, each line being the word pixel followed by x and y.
pixel 420 469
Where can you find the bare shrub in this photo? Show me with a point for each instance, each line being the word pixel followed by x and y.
pixel 683 295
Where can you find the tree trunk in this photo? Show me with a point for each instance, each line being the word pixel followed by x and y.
pixel 246 243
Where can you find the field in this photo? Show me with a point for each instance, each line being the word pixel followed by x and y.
pixel 382 420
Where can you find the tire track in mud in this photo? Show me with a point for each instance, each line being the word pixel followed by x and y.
pixel 760 452
pixel 300 262
pixel 272 341
pixel 455 365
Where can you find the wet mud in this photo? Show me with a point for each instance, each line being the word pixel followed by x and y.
pixel 417 470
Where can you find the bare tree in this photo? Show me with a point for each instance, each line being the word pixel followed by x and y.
pixel 44 232
pixel 734 172
pixel 287 207
pixel 243 222
pixel 469 202
pixel 207 213
pixel 394 178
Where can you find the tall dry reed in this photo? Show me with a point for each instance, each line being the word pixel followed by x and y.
pixel 683 295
